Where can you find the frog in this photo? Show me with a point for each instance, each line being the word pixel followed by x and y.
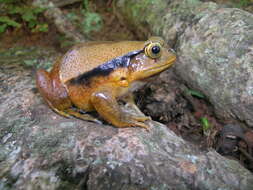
pixel 97 75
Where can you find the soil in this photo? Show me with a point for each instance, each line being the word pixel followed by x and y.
pixel 185 114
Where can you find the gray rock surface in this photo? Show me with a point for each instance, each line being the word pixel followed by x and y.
pixel 216 55
pixel 214 47
pixel 42 150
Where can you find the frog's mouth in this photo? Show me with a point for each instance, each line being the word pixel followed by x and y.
pixel 163 66
pixel 156 69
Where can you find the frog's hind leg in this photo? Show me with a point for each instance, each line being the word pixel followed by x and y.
pixel 70 112
pixel 56 96
pixel 82 116
pixel 53 92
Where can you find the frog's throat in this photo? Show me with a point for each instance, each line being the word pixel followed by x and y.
pixel 106 68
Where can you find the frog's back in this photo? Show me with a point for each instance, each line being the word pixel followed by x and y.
pixel 87 56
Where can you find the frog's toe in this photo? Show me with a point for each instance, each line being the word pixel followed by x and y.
pixel 142 125
pixel 142 118
pixel 137 121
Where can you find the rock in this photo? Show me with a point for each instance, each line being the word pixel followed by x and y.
pixel 216 57
pixel 214 47
pixel 42 150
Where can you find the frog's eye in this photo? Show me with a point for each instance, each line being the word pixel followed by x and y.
pixel 153 50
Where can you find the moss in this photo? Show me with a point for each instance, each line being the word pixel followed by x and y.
pixel 186 9
pixel 48 139
pixel 4 185
pixel 12 124
pixel 68 180
pixel 28 57
pixel 3 153
pixel 65 185
pixel 46 144
pixel 159 187
pixel 139 13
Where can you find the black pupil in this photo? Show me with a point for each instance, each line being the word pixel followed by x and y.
pixel 155 49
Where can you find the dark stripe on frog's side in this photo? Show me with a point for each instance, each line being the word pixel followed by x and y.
pixel 105 69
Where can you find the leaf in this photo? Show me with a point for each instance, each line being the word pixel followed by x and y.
pixel 7 1
pixel 41 28
pixel 205 124
pixel 15 10
pixel 92 22
pixel 32 23
pixel 9 22
pixel 72 16
pixel 2 28
pixel 86 5
pixel 28 16
pixel 38 10
pixel 30 62
pixel 18 9
pixel 195 93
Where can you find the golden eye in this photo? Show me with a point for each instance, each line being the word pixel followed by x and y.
pixel 153 50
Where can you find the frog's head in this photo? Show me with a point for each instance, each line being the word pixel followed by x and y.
pixel 121 63
pixel 155 58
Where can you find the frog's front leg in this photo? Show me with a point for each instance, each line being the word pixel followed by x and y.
pixel 107 106
pixel 129 99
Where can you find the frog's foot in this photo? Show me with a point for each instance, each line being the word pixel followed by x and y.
pixel 128 120
pixel 138 118
pixel 62 113
pixel 138 124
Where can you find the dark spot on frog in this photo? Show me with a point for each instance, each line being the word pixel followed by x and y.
pixel 123 78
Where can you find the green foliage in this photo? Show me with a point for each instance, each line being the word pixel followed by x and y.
pixel 205 123
pixel 64 41
pixel 34 63
pixel 72 16
pixel 92 21
pixel 206 127
pixel 16 12
pixel 5 21
pixel 30 63
pixel 195 93
pixel 242 3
